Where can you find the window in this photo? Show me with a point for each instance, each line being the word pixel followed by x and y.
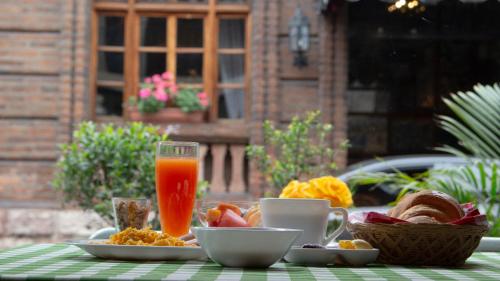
pixel 110 65
pixel 204 43
pixel 401 65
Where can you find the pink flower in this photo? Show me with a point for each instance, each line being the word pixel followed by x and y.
pixel 167 75
pixel 204 102
pixel 202 95
pixel 173 88
pixel 160 85
pixel 148 80
pixel 156 78
pixel 144 93
pixel 161 95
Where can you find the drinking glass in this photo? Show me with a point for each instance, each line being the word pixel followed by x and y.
pixel 176 179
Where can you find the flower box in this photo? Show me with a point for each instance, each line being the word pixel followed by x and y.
pixel 167 115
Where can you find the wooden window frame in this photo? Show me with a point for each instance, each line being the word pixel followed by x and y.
pixel 132 11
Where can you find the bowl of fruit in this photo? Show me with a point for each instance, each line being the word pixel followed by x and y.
pixel 212 213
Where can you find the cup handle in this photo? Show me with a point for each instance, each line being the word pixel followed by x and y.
pixel 342 226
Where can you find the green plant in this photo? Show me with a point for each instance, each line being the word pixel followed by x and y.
pixel 477 122
pixel 154 93
pixel 147 105
pixel 158 89
pixel 107 161
pixel 299 151
pixel 189 100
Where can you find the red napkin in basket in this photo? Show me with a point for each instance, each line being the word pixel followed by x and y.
pixel 472 217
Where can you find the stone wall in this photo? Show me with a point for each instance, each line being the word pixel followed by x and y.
pixel 34 225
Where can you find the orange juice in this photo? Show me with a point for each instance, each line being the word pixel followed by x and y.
pixel 176 180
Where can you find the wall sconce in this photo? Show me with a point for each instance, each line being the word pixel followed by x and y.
pixel 298 32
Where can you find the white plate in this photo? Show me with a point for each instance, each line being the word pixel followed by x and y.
pixel 128 252
pixel 330 256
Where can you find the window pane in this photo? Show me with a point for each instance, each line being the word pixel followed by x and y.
pixel 192 1
pixel 231 68
pixel 153 31
pixel 174 1
pixel 110 66
pixel 152 63
pixel 231 103
pixel 403 133
pixel 231 33
pixel 111 31
pixel 115 1
pixel 189 68
pixel 190 33
pixel 231 1
pixel 109 101
pixel 368 134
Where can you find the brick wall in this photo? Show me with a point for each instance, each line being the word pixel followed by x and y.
pixel 43 70
pixel 281 90
pixel 43 80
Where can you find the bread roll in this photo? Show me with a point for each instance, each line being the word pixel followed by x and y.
pixel 402 205
pixel 422 219
pixel 441 202
pixel 425 210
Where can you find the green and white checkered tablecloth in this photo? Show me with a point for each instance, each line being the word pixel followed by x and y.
pixel 63 262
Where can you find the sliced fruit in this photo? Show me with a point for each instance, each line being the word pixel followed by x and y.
pixel 346 244
pixel 254 218
pixel 213 216
pixel 361 244
pixel 226 206
pixel 231 219
pixel 252 210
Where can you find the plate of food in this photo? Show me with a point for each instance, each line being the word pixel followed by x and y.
pixel 142 244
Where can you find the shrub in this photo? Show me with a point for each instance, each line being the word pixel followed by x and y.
pixel 107 161
pixel 300 151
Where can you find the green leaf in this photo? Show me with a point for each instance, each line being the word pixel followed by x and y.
pixel 494 183
pixel 477 122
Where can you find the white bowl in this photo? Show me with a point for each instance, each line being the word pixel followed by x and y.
pixel 246 247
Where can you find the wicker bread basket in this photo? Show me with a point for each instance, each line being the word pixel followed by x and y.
pixel 420 244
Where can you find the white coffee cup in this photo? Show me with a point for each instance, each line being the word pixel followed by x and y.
pixel 310 215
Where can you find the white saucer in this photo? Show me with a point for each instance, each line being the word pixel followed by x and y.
pixel 330 256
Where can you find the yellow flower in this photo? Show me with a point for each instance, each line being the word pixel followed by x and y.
pixel 330 188
pixel 294 189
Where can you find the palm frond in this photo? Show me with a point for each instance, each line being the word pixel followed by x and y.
pixel 477 122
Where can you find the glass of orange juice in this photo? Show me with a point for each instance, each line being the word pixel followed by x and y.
pixel 176 179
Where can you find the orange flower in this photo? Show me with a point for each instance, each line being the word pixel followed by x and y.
pixel 330 188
